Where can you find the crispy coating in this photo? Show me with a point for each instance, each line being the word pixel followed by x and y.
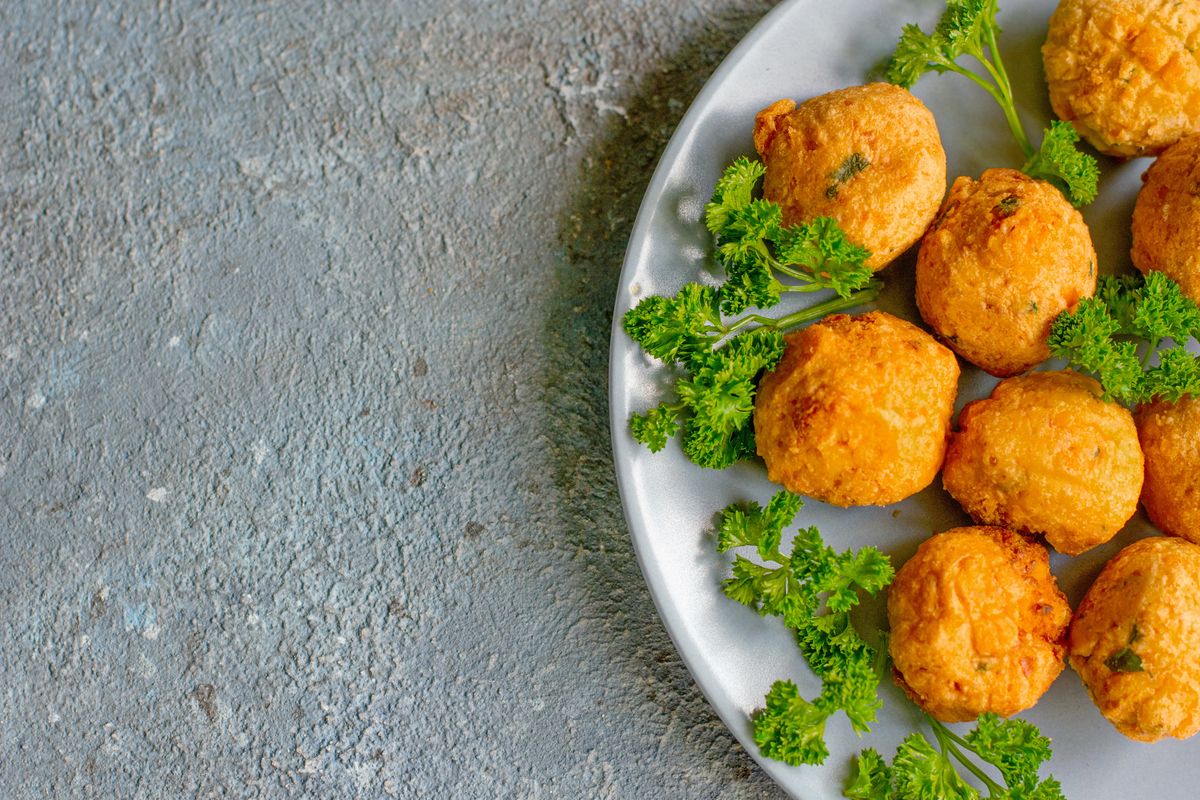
pixel 1135 640
pixel 858 410
pixel 1166 217
pixel 977 624
pixel 868 156
pixel 1126 72
pixel 1046 454
pixel 1170 436
pixel 1006 254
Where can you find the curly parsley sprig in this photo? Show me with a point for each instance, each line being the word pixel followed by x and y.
pixel 1117 334
pixel 753 245
pixel 969 28
pixel 763 259
pixel 1059 162
pixel 1014 748
pixel 813 590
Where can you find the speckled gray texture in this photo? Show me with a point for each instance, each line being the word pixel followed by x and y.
pixel 305 482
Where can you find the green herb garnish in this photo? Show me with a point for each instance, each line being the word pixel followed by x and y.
pixel 1007 207
pixel 763 259
pixel 813 590
pixel 1116 335
pixel 1059 162
pixel 1125 660
pixel 969 28
pixel 1013 748
pixel 853 165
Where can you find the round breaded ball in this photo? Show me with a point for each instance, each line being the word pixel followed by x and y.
pixel 1170 436
pixel 1125 72
pixel 978 624
pixel 1006 254
pixel 868 156
pixel 857 411
pixel 1135 639
pixel 1166 217
pixel 1046 454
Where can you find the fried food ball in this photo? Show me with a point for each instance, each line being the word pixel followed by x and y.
pixel 1135 639
pixel 1125 72
pixel 978 624
pixel 1170 436
pixel 858 410
pixel 1166 217
pixel 868 156
pixel 1047 454
pixel 1006 254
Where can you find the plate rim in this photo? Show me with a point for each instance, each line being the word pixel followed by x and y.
pixel 734 723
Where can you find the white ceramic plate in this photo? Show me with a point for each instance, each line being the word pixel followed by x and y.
pixel 801 49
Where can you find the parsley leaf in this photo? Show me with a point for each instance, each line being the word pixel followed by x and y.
pixel 1158 308
pixel 854 164
pixel 753 245
pixel 1124 660
pixel 830 260
pixel 1016 747
pixel 789 728
pixel 720 396
pixel 1103 336
pixel 1059 162
pixel 733 192
pixel 676 328
pixel 1084 338
pixel 919 772
pixel 756 526
pixel 961 31
pixel 655 427
pixel 872 778
pixel 1176 376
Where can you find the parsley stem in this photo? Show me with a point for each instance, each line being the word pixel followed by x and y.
pixel 805 274
pixel 1000 72
pixel 786 270
pixel 1008 104
pixel 789 321
pixel 1149 352
pixel 834 305
pixel 947 739
pixel 1002 99
pixel 883 657
pixel 748 319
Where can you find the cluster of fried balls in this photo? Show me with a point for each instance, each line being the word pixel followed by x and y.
pixel 859 410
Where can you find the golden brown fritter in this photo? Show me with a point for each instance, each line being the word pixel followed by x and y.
pixel 1135 639
pixel 858 410
pixel 1046 454
pixel 1166 217
pixel 868 156
pixel 1006 254
pixel 1170 436
pixel 977 624
pixel 1126 72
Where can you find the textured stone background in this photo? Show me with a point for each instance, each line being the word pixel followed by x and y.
pixel 305 480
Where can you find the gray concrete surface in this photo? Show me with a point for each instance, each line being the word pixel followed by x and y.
pixel 305 483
